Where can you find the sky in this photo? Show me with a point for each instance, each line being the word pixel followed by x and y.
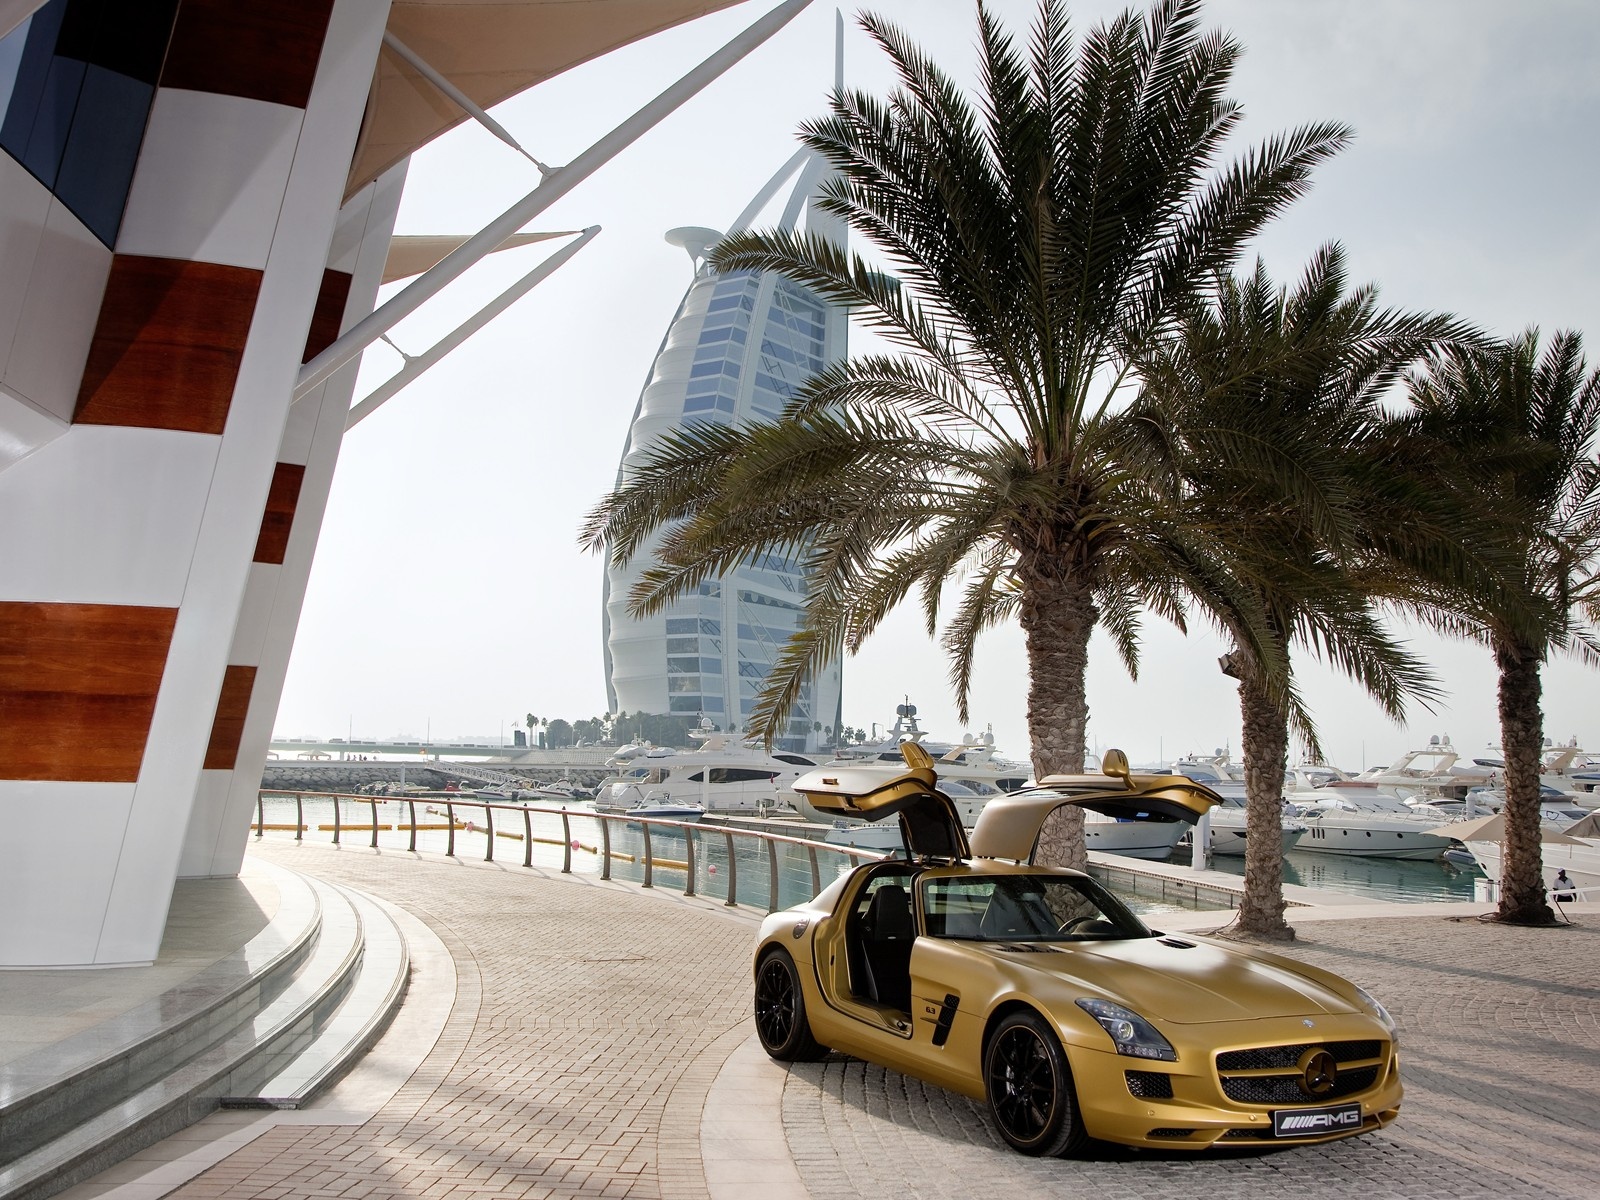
pixel 449 597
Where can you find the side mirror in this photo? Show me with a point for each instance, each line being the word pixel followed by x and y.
pixel 1115 764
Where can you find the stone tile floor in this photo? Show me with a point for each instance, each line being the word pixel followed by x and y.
pixel 593 1039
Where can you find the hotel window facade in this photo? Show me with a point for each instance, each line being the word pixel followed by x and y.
pixel 739 348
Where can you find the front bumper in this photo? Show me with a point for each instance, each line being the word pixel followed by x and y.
pixel 1199 1114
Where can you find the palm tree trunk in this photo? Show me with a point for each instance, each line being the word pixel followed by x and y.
pixel 1266 745
pixel 1522 898
pixel 1058 615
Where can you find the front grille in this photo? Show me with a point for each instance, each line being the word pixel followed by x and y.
pixel 1285 1089
pixel 1271 1074
pixel 1170 1133
pixel 1267 1058
pixel 1149 1085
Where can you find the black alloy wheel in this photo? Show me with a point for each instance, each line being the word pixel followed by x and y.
pixel 1030 1088
pixel 781 1012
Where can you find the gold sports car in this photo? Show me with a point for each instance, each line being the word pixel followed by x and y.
pixel 1036 989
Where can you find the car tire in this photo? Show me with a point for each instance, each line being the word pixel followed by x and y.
pixel 780 1011
pixel 1029 1087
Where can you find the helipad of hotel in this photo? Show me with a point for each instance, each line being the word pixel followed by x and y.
pixel 566 1036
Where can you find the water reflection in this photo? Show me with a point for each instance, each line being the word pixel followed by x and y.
pixel 1389 879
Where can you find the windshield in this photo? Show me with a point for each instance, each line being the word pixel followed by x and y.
pixel 1025 908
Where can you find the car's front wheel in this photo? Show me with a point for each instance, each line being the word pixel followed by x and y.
pixel 1030 1087
pixel 781 1012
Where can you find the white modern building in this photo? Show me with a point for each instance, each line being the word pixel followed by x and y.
pixel 737 349
pixel 196 206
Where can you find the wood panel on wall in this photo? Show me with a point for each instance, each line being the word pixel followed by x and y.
pixel 328 315
pixel 78 686
pixel 278 519
pixel 168 344
pixel 255 51
pixel 233 704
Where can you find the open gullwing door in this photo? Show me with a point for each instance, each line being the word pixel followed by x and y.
pixel 1008 827
pixel 928 820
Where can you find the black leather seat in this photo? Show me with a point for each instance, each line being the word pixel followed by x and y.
pixel 886 938
pixel 1015 916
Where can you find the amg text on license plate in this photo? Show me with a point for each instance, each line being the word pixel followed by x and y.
pixel 1309 1122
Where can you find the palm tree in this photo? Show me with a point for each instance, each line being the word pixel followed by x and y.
pixel 1267 403
pixel 1517 430
pixel 1038 240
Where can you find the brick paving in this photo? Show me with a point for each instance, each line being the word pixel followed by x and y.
pixel 592 1020
pixel 1500 1054
pixel 569 1064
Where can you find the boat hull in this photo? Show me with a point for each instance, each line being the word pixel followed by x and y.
pixel 1373 842
pixel 1132 839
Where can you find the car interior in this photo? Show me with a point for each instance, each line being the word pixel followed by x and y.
pixel 878 939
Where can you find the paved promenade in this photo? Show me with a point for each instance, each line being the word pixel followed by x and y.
pixel 569 1037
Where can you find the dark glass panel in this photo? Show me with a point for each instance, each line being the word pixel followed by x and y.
pixel 52 120
pixel 39 45
pixel 97 168
pixel 128 38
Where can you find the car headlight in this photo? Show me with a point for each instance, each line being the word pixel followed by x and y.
pixel 1378 1010
pixel 1130 1033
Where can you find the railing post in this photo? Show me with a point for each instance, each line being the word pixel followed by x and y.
pixel 374 804
pixel 411 806
pixel 688 842
pixel 733 870
pixel 488 820
pixel 336 819
pixel 299 816
pixel 605 847
pixel 527 836
pixel 450 820
pixel 566 843
pixel 772 875
pixel 816 876
pixel 261 816
pixel 649 859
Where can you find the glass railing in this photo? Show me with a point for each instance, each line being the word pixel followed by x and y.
pixel 746 867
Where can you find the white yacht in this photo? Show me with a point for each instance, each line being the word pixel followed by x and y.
pixel 1575 849
pixel 1151 838
pixel 1565 768
pixel 719 775
pixel 1556 807
pixel 1435 770
pixel 1363 819
pixel 1230 824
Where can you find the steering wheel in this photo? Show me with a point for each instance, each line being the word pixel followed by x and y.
pixel 1071 926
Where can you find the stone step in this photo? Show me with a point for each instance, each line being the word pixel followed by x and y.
pixel 365 1011
pixel 281 1050
pixel 48 1092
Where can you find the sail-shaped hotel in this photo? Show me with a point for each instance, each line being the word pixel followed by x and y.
pixel 738 347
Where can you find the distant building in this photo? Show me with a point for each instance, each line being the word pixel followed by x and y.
pixel 738 348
